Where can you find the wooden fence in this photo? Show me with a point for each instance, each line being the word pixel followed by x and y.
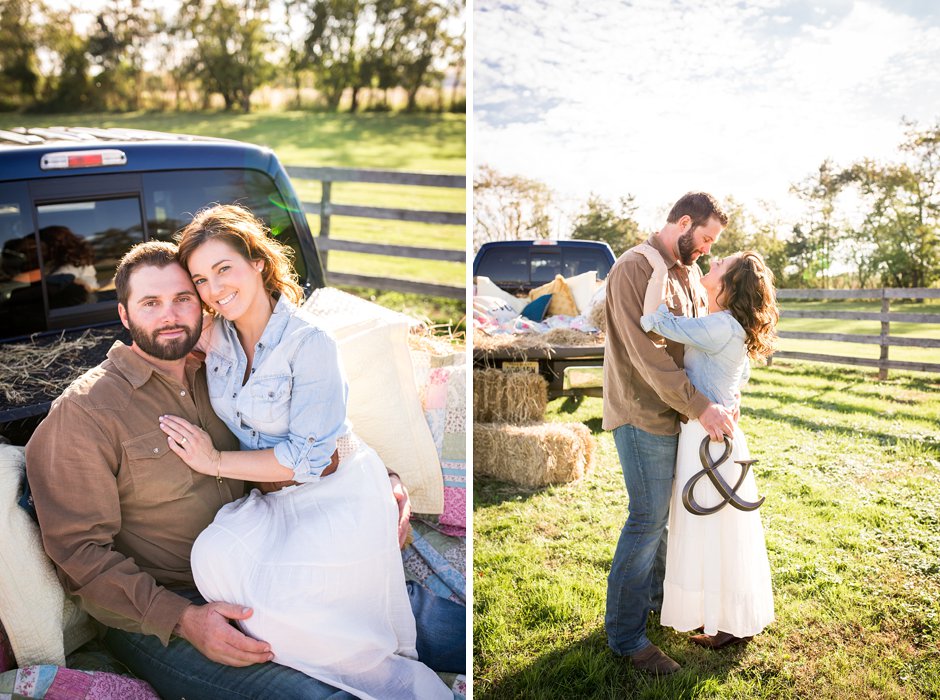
pixel 326 209
pixel 884 340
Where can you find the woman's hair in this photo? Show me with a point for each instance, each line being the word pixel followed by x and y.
pixel 65 248
pixel 748 289
pixel 243 231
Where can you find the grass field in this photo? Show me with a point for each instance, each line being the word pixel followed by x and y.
pixel 850 468
pixel 423 142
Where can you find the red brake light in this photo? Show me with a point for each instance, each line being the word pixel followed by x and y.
pixel 65 160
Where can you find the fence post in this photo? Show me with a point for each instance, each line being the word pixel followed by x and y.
pixel 324 219
pixel 885 330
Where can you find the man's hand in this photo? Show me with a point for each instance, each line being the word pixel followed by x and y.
pixel 404 508
pixel 717 421
pixel 207 628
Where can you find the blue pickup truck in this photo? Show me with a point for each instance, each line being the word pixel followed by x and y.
pixel 520 266
pixel 73 200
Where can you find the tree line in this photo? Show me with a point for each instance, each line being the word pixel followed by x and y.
pixel 863 224
pixel 133 51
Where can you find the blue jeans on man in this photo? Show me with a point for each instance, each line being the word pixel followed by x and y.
pixel 180 671
pixel 635 583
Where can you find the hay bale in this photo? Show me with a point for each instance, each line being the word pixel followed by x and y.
pixel 508 397
pixel 533 455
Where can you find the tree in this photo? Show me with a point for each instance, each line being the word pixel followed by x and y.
pixel 901 227
pixel 19 76
pixel 330 45
pixel 747 231
pixel 117 45
pixel 231 45
pixel 599 221
pixel 820 227
pixel 508 207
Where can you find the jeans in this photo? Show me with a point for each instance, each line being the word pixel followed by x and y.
pixel 635 583
pixel 180 672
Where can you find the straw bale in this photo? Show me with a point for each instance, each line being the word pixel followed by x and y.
pixel 508 397
pixel 533 455
pixel 598 316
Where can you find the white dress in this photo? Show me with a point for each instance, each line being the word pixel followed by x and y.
pixel 717 571
pixel 318 562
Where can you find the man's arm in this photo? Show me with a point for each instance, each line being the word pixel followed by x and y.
pixel 626 296
pixel 72 465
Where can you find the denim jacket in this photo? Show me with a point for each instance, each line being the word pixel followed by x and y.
pixel 295 396
pixel 716 359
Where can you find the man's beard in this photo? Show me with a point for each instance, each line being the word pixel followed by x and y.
pixel 686 246
pixel 169 350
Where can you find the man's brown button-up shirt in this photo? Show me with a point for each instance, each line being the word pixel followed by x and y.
pixel 118 510
pixel 645 384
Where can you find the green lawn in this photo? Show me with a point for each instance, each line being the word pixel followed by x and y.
pixel 419 143
pixel 850 468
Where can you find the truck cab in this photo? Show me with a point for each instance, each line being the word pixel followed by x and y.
pixel 73 200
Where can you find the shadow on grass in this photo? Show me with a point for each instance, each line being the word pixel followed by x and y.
pixel 883 438
pixel 587 668
pixel 490 492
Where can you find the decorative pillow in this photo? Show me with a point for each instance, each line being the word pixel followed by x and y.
pixel 582 288
pixel 41 622
pixel 383 397
pixel 493 309
pixel 486 288
pixel 562 300
pixel 56 683
pixel 535 310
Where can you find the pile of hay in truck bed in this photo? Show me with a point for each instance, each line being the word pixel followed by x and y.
pixel 37 370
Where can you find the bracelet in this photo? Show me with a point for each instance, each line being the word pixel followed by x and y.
pixel 395 474
pixel 218 467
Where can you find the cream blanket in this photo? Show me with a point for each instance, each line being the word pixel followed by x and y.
pixel 43 624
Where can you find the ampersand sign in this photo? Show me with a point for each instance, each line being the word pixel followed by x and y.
pixel 710 469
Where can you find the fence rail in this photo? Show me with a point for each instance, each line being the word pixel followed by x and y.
pixel 884 340
pixel 326 209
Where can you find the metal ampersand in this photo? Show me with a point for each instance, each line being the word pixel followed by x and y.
pixel 728 493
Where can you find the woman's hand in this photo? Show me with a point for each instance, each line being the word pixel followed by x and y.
pixel 656 289
pixel 192 444
pixel 404 508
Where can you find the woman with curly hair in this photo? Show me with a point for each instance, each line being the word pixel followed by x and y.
pixel 315 551
pixel 717 571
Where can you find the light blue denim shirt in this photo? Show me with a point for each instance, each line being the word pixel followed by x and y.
pixel 715 355
pixel 295 396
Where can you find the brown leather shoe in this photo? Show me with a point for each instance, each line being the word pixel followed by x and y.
pixel 718 641
pixel 653 660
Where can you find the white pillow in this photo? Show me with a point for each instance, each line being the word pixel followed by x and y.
pixel 384 406
pixel 43 624
pixel 582 289
pixel 486 288
pixel 493 308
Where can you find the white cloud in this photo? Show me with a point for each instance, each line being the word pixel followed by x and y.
pixel 740 98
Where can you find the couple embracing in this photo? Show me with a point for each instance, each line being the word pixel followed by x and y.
pixel 139 471
pixel 678 350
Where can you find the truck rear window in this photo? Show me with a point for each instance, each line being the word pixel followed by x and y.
pixel 525 267
pixel 60 245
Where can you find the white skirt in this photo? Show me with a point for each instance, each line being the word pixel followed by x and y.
pixel 717 572
pixel 319 565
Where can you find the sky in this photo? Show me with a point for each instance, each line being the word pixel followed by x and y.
pixel 655 98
